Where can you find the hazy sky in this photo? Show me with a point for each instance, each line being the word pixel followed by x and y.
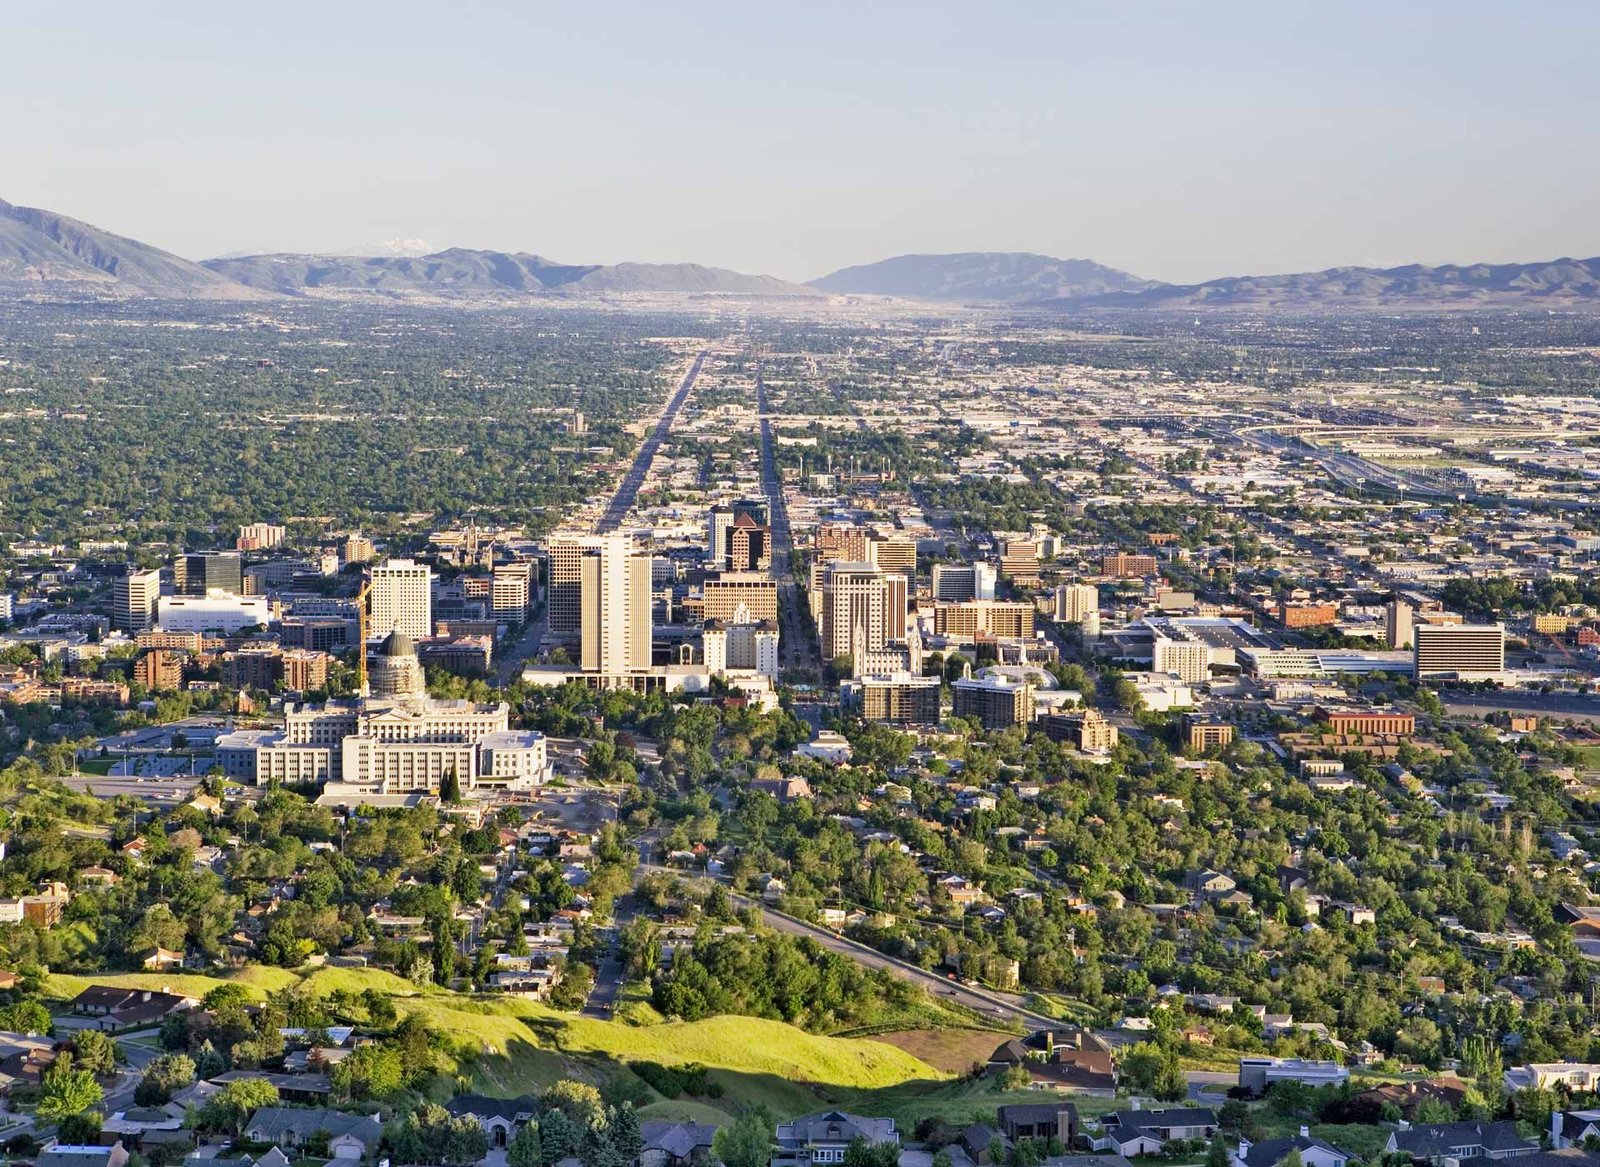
pixel 1180 141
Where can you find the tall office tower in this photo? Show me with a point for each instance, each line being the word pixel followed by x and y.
pixel 1398 625
pixel 896 600
pixel 1073 601
pixel 894 553
pixel 564 595
pixel 852 609
pixel 133 600
pixel 1458 648
pixel 402 600
pixel 955 582
pixel 719 519
pixel 615 591
pixel 199 572
pixel 510 590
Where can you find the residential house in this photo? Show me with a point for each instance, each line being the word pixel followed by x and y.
pixel 56 1154
pixel 1145 1132
pixel 1272 1152
pixel 1048 1120
pixel 500 1118
pixel 1573 1128
pixel 675 1144
pixel 823 1138
pixel 1256 1073
pixel 1435 1143
pixel 350 1136
pixel 116 1008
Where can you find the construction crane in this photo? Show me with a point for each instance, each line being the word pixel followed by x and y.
pixel 361 634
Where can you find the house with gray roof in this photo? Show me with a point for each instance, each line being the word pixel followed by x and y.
pixel 350 1136
pixel 1434 1142
pixel 675 1144
pixel 500 1118
pixel 1271 1152
pixel 823 1138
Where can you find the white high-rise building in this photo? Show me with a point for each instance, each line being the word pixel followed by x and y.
pixel 510 591
pixel 402 600
pixel 616 589
pixel 852 616
pixel 134 599
pixel 741 645
pixel 1458 648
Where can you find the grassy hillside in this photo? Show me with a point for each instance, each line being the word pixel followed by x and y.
pixel 507 1046
pixel 525 1045
pixel 259 979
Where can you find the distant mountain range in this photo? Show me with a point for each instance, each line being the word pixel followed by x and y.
pixel 43 253
pixel 1487 285
pixel 1020 278
pixel 460 273
pixel 1006 277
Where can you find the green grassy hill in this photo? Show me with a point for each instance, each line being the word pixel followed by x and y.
pixel 507 1046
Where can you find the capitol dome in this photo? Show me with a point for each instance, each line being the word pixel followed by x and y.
pixel 395 672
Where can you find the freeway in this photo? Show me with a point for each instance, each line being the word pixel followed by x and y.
pixel 628 491
pixel 1578 707
pixel 794 638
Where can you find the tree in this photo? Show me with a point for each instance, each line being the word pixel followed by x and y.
pixel 525 1150
pixel 1170 1084
pixel 450 788
pixel 625 1134
pixel 579 1101
pixel 380 1008
pixel 230 1107
pixel 371 1072
pixel 96 1052
pixel 1293 1159
pixel 163 1078
pixel 1217 1152
pixel 79 1130
pixel 67 1091
pixel 26 1017
pixel 745 1142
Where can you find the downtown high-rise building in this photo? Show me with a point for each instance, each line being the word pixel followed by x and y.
pixel 1458 648
pixel 402 600
pixel 564 583
pixel 615 593
pixel 197 572
pixel 133 600
pixel 852 610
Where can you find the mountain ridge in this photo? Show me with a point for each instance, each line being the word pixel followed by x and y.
pixel 461 272
pixel 1564 280
pixel 992 276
